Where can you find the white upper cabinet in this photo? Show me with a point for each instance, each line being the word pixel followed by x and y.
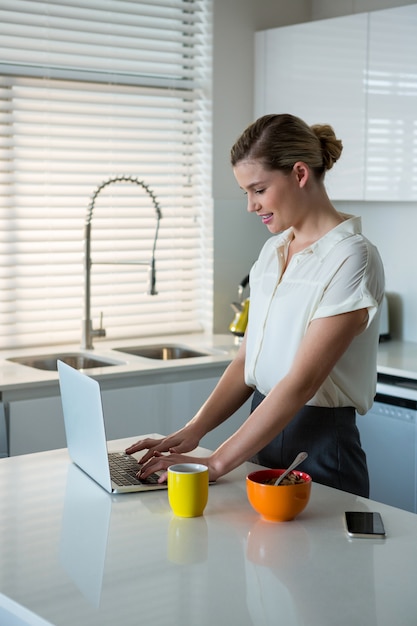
pixel 391 139
pixel 359 74
pixel 317 71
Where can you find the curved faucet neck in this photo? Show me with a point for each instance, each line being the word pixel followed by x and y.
pixel 88 332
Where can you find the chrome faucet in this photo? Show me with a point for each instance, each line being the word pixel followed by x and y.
pixel 88 332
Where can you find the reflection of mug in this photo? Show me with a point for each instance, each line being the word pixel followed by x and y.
pixel 188 489
pixel 187 540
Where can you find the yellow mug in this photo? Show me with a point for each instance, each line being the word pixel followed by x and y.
pixel 188 485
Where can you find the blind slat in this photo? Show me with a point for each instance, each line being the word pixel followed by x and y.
pixel 80 36
pixel 64 131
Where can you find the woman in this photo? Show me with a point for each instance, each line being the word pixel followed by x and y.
pixel 309 353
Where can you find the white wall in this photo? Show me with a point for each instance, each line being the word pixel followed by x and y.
pixel 237 235
pixel 392 227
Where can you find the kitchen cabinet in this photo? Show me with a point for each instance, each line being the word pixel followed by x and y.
pixel 357 73
pixel 139 395
pixel 3 432
pixel 182 400
pixel 391 89
pixel 164 408
pixel 316 71
pixel 389 436
pixel 133 410
pixel 36 424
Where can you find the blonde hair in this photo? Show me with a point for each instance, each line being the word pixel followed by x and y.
pixel 279 141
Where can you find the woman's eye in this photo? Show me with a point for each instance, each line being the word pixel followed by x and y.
pixel 255 191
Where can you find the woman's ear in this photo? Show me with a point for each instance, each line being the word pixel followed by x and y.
pixel 302 173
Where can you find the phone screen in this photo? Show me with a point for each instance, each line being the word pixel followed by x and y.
pixel 364 524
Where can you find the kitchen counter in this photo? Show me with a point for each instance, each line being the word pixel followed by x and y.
pixel 139 394
pixel 72 554
pixel 398 358
pixel 220 348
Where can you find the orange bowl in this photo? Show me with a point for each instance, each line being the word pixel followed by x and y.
pixel 277 504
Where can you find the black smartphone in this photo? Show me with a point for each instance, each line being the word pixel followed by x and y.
pixel 364 524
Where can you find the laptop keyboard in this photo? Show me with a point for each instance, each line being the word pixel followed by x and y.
pixel 123 470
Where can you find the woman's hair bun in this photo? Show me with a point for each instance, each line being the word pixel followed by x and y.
pixel 331 147
pixel 280 140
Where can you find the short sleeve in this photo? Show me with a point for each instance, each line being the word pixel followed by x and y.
pixel 356 282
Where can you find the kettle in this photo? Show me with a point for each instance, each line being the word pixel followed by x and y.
pixel 241 310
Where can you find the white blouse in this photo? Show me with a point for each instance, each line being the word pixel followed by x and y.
pixel 340 272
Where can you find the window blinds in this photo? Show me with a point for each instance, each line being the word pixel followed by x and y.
pixel 93 89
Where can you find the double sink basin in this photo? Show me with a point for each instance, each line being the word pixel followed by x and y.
pixel 80 361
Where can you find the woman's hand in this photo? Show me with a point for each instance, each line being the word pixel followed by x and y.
pixel 179 442
pixel 160 462
pixel 228 396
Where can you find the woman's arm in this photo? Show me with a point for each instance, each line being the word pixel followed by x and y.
pixel 323 345
pixel 227 397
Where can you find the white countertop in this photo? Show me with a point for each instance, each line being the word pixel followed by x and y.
pixel 398 358
pixel 220 348
pixel 73 554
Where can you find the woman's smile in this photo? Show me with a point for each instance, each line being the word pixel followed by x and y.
pixel 266 217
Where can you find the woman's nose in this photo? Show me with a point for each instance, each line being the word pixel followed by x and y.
pixel 253 205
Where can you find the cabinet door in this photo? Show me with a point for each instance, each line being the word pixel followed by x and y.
pixel 316 71
pixel 182 401
pixel 133 411
pixel 388 434
pixel 391 141
pixel 36 425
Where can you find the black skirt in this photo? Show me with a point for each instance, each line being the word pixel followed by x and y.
pixel 331 438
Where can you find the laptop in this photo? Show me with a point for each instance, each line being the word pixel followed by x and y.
pixel 86 436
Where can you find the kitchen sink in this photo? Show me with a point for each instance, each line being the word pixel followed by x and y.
pixel 74 359
pixel 164 352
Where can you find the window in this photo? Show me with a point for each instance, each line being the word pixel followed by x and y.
pixel 91 90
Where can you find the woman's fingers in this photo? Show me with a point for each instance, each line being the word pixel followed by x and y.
pixel 143 444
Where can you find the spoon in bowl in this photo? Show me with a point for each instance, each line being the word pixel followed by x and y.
pixel 298 459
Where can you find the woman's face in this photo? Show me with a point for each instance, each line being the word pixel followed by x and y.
pixel 272 195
